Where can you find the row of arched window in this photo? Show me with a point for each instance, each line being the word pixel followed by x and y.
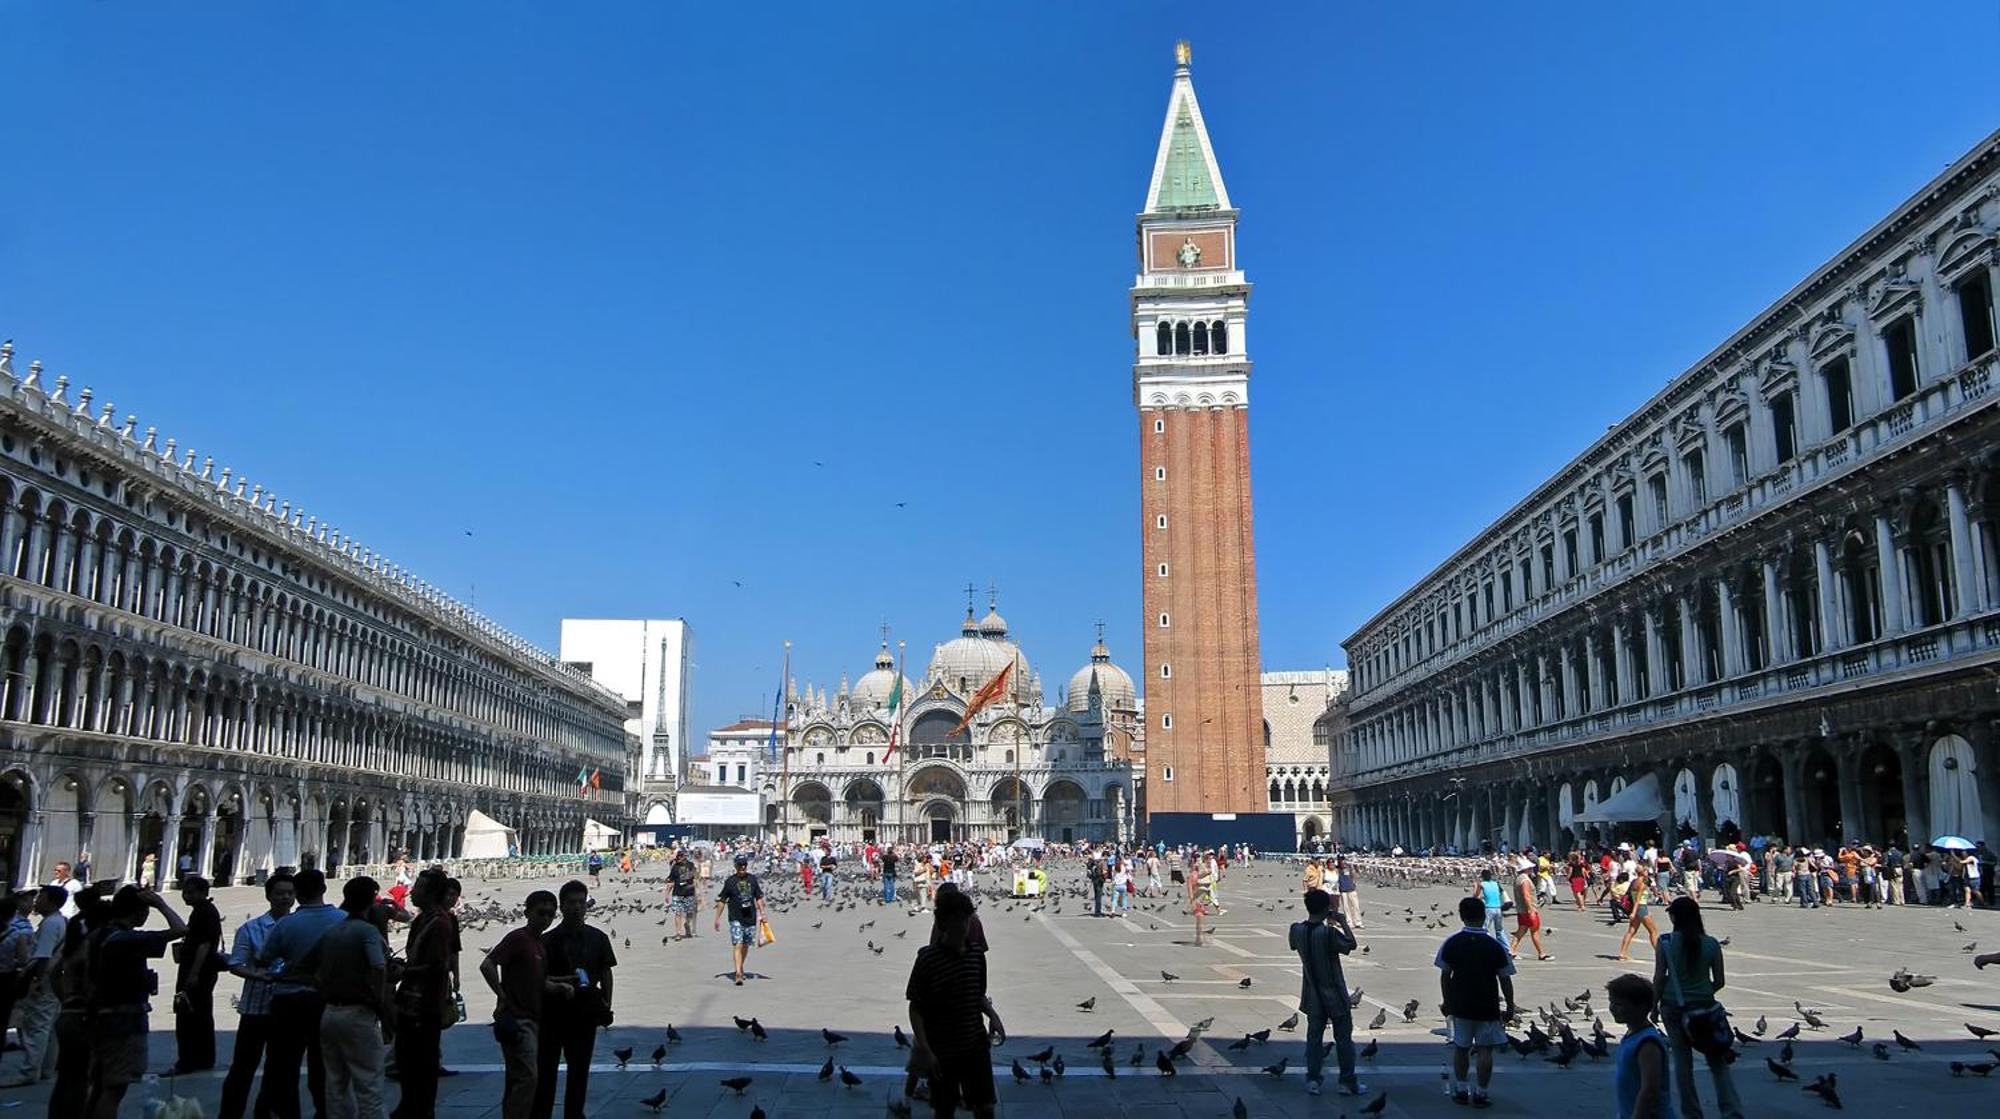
pixel 52 679
pixel 1185 338
pixel 1290 792
pixel 76 551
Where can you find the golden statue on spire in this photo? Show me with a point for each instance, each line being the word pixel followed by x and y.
pixel 1183 54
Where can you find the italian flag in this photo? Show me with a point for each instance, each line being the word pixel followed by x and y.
pixel 895 715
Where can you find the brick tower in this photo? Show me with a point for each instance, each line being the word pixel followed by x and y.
pixel 1204 708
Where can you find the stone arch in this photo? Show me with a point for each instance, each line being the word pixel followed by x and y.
pixel 1013 804
pixel 1725 789
pixel 813 801
pixel 1687 801
pixel 1065 809
pixel 111 836
pixel 65 803
pixel 1955 806
pixel 17 807
pixel 935 780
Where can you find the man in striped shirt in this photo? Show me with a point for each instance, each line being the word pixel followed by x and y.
pixel 954 1025
pixel 254 1004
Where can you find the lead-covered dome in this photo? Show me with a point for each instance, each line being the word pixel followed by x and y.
pixel 872 690
pixel 971 660
pixel 1113 682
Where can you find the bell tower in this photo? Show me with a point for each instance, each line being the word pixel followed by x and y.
pixel 1191 385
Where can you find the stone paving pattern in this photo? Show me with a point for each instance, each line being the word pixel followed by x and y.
pixel 821 973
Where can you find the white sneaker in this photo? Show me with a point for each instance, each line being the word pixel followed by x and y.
pixel 1312 1087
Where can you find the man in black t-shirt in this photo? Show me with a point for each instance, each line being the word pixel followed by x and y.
pixel 742 897
pixel 827 865
pixel 1476 971
pixel 200 956
pixel 680 894
pixel 580 960
pixel 888 876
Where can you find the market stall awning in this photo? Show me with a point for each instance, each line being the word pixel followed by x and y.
pixel 1638 801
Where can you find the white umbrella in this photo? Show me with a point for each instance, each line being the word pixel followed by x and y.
pixel 1953 843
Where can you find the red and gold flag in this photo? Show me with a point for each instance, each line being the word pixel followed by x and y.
pixel 982 697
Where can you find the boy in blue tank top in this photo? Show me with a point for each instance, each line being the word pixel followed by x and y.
pixel 1640 1075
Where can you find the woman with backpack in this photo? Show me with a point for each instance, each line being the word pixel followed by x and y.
pixel 1687 973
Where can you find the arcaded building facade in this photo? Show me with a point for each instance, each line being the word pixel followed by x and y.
pixel 1765 603
pixel 1191 383
pixel 194 667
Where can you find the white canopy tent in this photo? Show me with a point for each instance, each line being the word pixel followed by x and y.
pixel 599 836
pixel 1635 802
pixel 487 838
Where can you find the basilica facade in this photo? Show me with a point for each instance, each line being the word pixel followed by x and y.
pixel 197 673
pixel 1060 771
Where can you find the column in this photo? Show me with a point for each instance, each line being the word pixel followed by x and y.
pixel 86 565
pixel 1790 770
pixel 1846 768
pixel 1964 553
pixel 1656 677
pixel 1832 633
pixel 1694 668
pixel 1545 691
pixel 1593 670
pixel 132 852
pixel 1572 703
pixel 204 860
pixel 170 853
pixel 1731 637
pixel 1889 560
pixel 1777 635
pixel 1911 756
pixel 1621 662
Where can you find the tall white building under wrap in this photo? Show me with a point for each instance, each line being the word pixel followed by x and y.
pixel 647 662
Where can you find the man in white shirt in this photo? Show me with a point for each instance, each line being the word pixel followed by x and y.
pixel 36 1012
pixel 71 887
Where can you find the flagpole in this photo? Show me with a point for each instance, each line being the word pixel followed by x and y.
pixel 783 731
pixel 902 743
pixel 1020 820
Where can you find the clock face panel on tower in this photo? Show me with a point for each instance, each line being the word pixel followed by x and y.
pixel 1213 250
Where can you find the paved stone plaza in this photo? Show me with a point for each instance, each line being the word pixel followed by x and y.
pixel 1043 963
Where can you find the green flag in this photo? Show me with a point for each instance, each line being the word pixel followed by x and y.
pixel 895 714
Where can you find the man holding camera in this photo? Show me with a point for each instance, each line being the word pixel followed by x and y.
pixel 580 960
pixel 120 985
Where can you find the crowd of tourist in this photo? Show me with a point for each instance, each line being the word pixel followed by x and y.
pixel 324 989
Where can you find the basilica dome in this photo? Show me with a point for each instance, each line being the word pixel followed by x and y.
pixel 872 690
pixel 969 661
pixel 1112 681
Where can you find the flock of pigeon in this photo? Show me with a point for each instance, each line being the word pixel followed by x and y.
pixel 1554 1032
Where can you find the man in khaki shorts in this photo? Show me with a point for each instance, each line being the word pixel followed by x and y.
pixel 1477 973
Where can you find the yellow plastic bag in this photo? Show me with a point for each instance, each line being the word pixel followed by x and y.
pixel 764 933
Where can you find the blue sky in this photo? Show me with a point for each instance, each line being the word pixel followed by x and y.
pixel 656 299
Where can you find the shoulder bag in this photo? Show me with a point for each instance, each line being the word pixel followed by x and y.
pixel 1707 1027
